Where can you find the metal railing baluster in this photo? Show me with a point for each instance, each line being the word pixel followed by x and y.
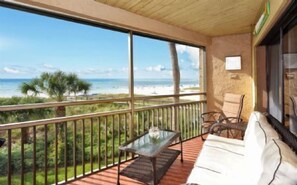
pixel 83 147
pixel 56 154
pixel 92 144
pixel 9 169
pixel 74 148
pixel 65 152
pixel 34 155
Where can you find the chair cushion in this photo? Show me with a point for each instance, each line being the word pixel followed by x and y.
pixel 232 105
pixel 279 164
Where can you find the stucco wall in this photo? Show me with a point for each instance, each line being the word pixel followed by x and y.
pixel 261 103
pixel 219 80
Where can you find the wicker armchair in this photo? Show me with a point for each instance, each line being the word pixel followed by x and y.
pixel 232 108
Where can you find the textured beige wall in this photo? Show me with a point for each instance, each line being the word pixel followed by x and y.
pixel 219 81
pixel 261 103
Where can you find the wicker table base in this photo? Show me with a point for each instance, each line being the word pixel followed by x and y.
pixel 141 168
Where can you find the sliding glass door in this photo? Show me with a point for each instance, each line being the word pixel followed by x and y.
pixel 289 52
pixel 281 49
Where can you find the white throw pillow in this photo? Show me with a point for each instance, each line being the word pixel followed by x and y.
pixel 279 164
pixel 255 116
pixel 261 133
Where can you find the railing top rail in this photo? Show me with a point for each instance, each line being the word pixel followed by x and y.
pixel 86 116
pixel 167 105
pixel 86 102
pixel 57 104
pixel 168 96
pixel 60 119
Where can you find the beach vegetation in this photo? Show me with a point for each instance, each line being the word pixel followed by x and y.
pixel 23 115
pixel 56 85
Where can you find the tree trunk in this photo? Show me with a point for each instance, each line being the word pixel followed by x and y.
pixel 175 70
pixel 61 112
pixel 26 135
pixel 176 82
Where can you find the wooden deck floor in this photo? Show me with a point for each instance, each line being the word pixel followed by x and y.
pixel 177 174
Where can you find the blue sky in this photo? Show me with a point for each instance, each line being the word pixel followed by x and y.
pixel 31 44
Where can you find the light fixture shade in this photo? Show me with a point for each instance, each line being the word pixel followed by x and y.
pixel 262 19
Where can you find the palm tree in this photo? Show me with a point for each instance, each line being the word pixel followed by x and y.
pixel 56 85
pixel 176 81
pixel 175 70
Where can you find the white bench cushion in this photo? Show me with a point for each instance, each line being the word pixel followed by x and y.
pixel 206 176
pixel 231 161
pixel 220 160
pixel 234 145
pixel 279 164
pixel 255 116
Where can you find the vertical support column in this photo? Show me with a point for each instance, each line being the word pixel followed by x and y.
pixel 202 69
pixel 254 76
pixel 202 82
pixel 131 84
pixel 202 74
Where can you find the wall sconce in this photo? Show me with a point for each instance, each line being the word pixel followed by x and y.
pixel 261 21
pixel 233 63
pixel 234 76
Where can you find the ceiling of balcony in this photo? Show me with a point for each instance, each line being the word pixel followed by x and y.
pixel 209 17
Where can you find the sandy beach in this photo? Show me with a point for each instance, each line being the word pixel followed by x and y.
pixel 11 87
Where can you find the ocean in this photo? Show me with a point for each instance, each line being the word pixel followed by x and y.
pixel 11 87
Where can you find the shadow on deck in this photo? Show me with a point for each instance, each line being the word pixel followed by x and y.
pixel 177 174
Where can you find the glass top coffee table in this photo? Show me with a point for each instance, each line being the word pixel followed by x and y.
pixel 154 159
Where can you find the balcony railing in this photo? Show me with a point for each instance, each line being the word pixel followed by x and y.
pixel 66 148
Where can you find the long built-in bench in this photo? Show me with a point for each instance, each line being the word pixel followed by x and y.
pixel 260 158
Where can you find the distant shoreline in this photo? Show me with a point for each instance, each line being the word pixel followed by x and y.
pixel 10 87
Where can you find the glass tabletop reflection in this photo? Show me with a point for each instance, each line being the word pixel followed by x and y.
pixel 148 146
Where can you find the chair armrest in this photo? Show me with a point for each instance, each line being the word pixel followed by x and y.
pixel 234 120
pixel 212 116
pixel 219 126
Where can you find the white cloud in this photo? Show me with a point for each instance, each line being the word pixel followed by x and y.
pixel 195 66
pixel 180 48
pixel 11 70
pixel 193 54
pixel 88 71
pixel 48 66
pixel 125 69
pixel 157 68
